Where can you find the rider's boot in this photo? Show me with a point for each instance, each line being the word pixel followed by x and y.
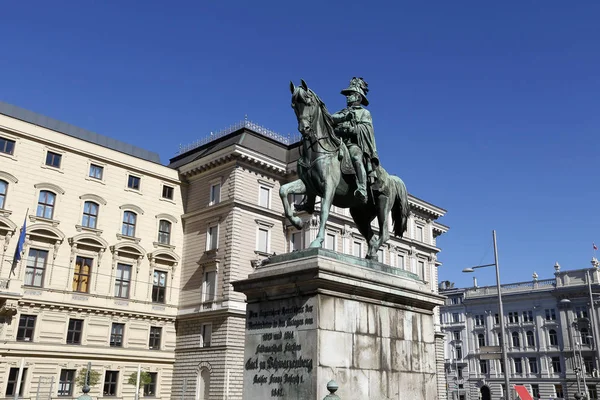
pixel 361 182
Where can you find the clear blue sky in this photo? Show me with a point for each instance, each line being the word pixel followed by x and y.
pixel 487 109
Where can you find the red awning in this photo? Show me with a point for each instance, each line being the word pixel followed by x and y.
pixel 522 392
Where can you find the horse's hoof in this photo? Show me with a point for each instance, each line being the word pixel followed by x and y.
pixel 297 222
pixel 316 243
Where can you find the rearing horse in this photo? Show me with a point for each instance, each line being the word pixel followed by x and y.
pixel 320 174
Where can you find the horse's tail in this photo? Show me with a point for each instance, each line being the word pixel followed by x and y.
pixel 400 207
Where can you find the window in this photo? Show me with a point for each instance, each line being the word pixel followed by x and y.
pixel 66 382
pixel 455 317
pixel 155 334
pixel 581 312
pixel 459 353
pixel 26 327
pixel 215 193
pixel 550 314
pixel 535 391
pixel 553 337
pixel 357 249
pixel 90 214
pixel 164 231
pixel 212 237
pixel 96 171
pixel 401 261
pixel 496 319
pixel 159 287
pixel 210 278
pixel 556 365
pixel 419 234
pixel 36 267
pixel 133 182
pixel 129 218
pixel 167 192
pixel 330 241
pixel 262 243
pixel 150 388
pixel 513 317
pixel 558 389
pixel 380 256
pixel 53 159
pixel 585 336
pixel 110 383
pixel 13 377
pixel 296 241
pixel 593 393
pixel 122 281
pixel 530 338
pixel 3 187
pixel 527 316
pixel 501 366
pixel 456 335
pixel 82 274
pixel 46 202
pixel 518 366
pixel 264 199
pixel 74 331
pixel 421 267
pixel 454 300
pixel 481 339
pixel 483 366
pixel 499 339
pixel 7 146
pixel 515 339
pixel 479 320
pixel 206 335
pixel 116 335
pixel 588 363
pixel 533 366
pixel 459 372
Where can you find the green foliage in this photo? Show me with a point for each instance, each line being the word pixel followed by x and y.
pixel 145 378
pixel 93 380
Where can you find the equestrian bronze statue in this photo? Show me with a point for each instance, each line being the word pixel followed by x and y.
pixel 339 163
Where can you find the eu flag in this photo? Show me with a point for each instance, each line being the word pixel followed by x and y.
pixel 20 244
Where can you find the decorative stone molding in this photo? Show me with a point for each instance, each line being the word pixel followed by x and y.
pixel 93 197
pixel 132 207
pixel 49 186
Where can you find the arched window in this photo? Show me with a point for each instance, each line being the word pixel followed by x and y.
pixel 515 339
pixel 481 339
pixel 164 231
pixel 129 219
pixel 90 214
pixel 46 202
pixel 499 339
pixel 553 337
pixel 530 339
pixel 203 384
pixel 3 188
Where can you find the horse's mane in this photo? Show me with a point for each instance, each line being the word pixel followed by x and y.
pixel 309 95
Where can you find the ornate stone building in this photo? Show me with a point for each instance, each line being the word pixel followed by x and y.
pixel 129 263
pixel 551 344
pixel 99 278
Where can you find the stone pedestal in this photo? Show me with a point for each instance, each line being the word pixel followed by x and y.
pixel 316 315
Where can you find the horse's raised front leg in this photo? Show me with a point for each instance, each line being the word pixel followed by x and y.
pixel 295 187
pixel 325 206
pixel 383 211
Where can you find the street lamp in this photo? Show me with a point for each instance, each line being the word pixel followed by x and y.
pixel 501 311
pixel 576 368
pixel 595 264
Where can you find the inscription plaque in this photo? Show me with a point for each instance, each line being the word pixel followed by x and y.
pixel 280 347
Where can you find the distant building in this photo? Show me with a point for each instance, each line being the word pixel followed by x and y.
pixel 549 330
pixel 99 277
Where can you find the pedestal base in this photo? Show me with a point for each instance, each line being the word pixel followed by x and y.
pixel 316 315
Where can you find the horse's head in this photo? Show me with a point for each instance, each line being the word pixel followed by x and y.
pixel 305 104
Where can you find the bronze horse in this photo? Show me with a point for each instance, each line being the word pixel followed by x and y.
pixel 320 174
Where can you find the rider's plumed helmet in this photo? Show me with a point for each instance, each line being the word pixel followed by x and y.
pixel 358 85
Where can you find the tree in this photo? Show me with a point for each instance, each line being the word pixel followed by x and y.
pixel 145 379
pixel 93 379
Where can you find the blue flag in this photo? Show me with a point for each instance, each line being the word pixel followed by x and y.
pixel 20 245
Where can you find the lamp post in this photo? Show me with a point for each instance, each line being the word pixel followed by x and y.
pixel 595 327
pixel 501 311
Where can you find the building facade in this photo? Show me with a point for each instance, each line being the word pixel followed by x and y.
pixel 550 337
pixel 127 263
pixel 98 280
